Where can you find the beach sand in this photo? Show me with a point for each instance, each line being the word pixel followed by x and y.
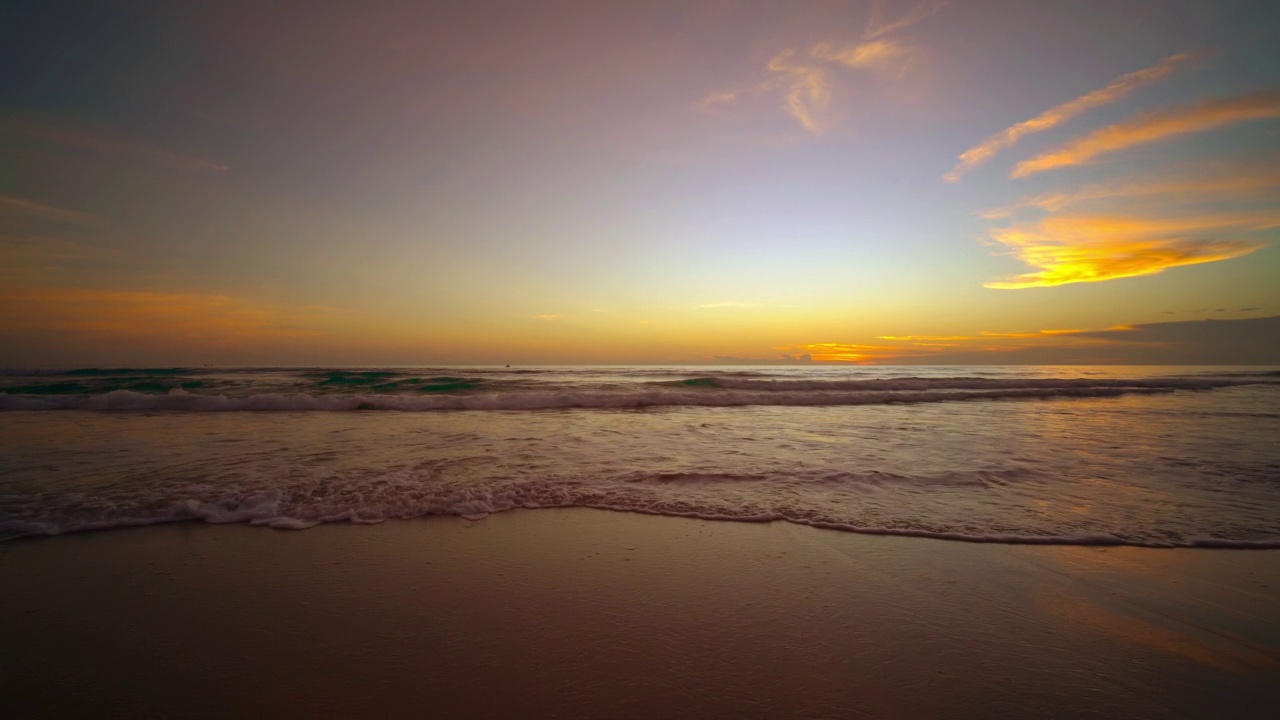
pixel 585 613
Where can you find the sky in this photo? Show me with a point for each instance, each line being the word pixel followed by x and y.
pixel 973 181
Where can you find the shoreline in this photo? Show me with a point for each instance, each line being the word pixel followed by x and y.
pixel 577 612
pixel 290 524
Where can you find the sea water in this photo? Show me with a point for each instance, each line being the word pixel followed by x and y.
pixel 1152 456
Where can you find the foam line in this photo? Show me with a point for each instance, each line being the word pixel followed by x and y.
pixel 179 400
pixel 263 515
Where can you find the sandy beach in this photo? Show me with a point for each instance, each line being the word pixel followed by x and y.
pixel 583 613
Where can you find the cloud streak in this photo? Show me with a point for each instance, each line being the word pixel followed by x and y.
pixel 1231 341
pixel 1087 248
pixel 807 93
pixel 1155 127
pixel 202 319
pixel 98 142
pixel 1117 89
pixel 1236 183
pixel 20 207
pixel 854 353
pixel 807 79
pixel 878 25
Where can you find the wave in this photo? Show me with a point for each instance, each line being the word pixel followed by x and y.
pixel 386 390
pixel 275 509
pixel 180 400
pixel 961 383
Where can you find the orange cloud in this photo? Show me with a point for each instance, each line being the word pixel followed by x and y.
pixel 933 340
pixel 924 338
pixel 1251 340
pixel 1117 89
pixel 878 25
pixel 807 81
pixel 201 319
pixel 807 94
pixel 852 353
pixel 717 98
pixel 1075 249
pixel 924 347
pixel 1154 127
pixel 1238 183
pixel 877 53
pixel 1035 334
pixel 107 143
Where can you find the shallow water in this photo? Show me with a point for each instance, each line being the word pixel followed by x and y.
pixel 1139 456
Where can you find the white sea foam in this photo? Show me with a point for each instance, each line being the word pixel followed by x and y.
pixel 974 383
pixel 267 510
pixel 753 393
pixel 921 453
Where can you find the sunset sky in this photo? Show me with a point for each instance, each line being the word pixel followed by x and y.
pixel 986 181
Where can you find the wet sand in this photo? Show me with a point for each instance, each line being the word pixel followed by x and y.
pixel 584 613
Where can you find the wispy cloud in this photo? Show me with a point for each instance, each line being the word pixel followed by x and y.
pixel 924 338
pixel 807 80
pixel 545 316
pixel 807 89
pixel 1139 226
pixel 880 25
pixel 20 207
pixel 718 97
pixel 1087 248
pixel 983 335
pixel 27 259
pixel 1154 127
pixel 1216 341
pixel 1117 89
pixel 205 319
pixel 101 142
pixel 973 347
pixel 862 56
pixel 1227 183
pixel 853 352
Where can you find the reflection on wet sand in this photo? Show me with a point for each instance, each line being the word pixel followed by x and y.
pixel 1173 602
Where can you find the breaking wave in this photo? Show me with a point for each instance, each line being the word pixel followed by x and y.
pixel 961 383
pixel 126 400
pixel 1189 460
pixel 303 506
pixel 459 393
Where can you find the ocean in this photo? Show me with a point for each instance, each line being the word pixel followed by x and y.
pixel 1146 456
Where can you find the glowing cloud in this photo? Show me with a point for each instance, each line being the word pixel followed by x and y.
pixel 1076 249
pixel 1117 89
pixel 877 53
pixel 852 353
pixel 1235 184
pixel 1154 127
pixel 1194 341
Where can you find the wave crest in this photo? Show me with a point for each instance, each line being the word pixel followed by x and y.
pixel 180 400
